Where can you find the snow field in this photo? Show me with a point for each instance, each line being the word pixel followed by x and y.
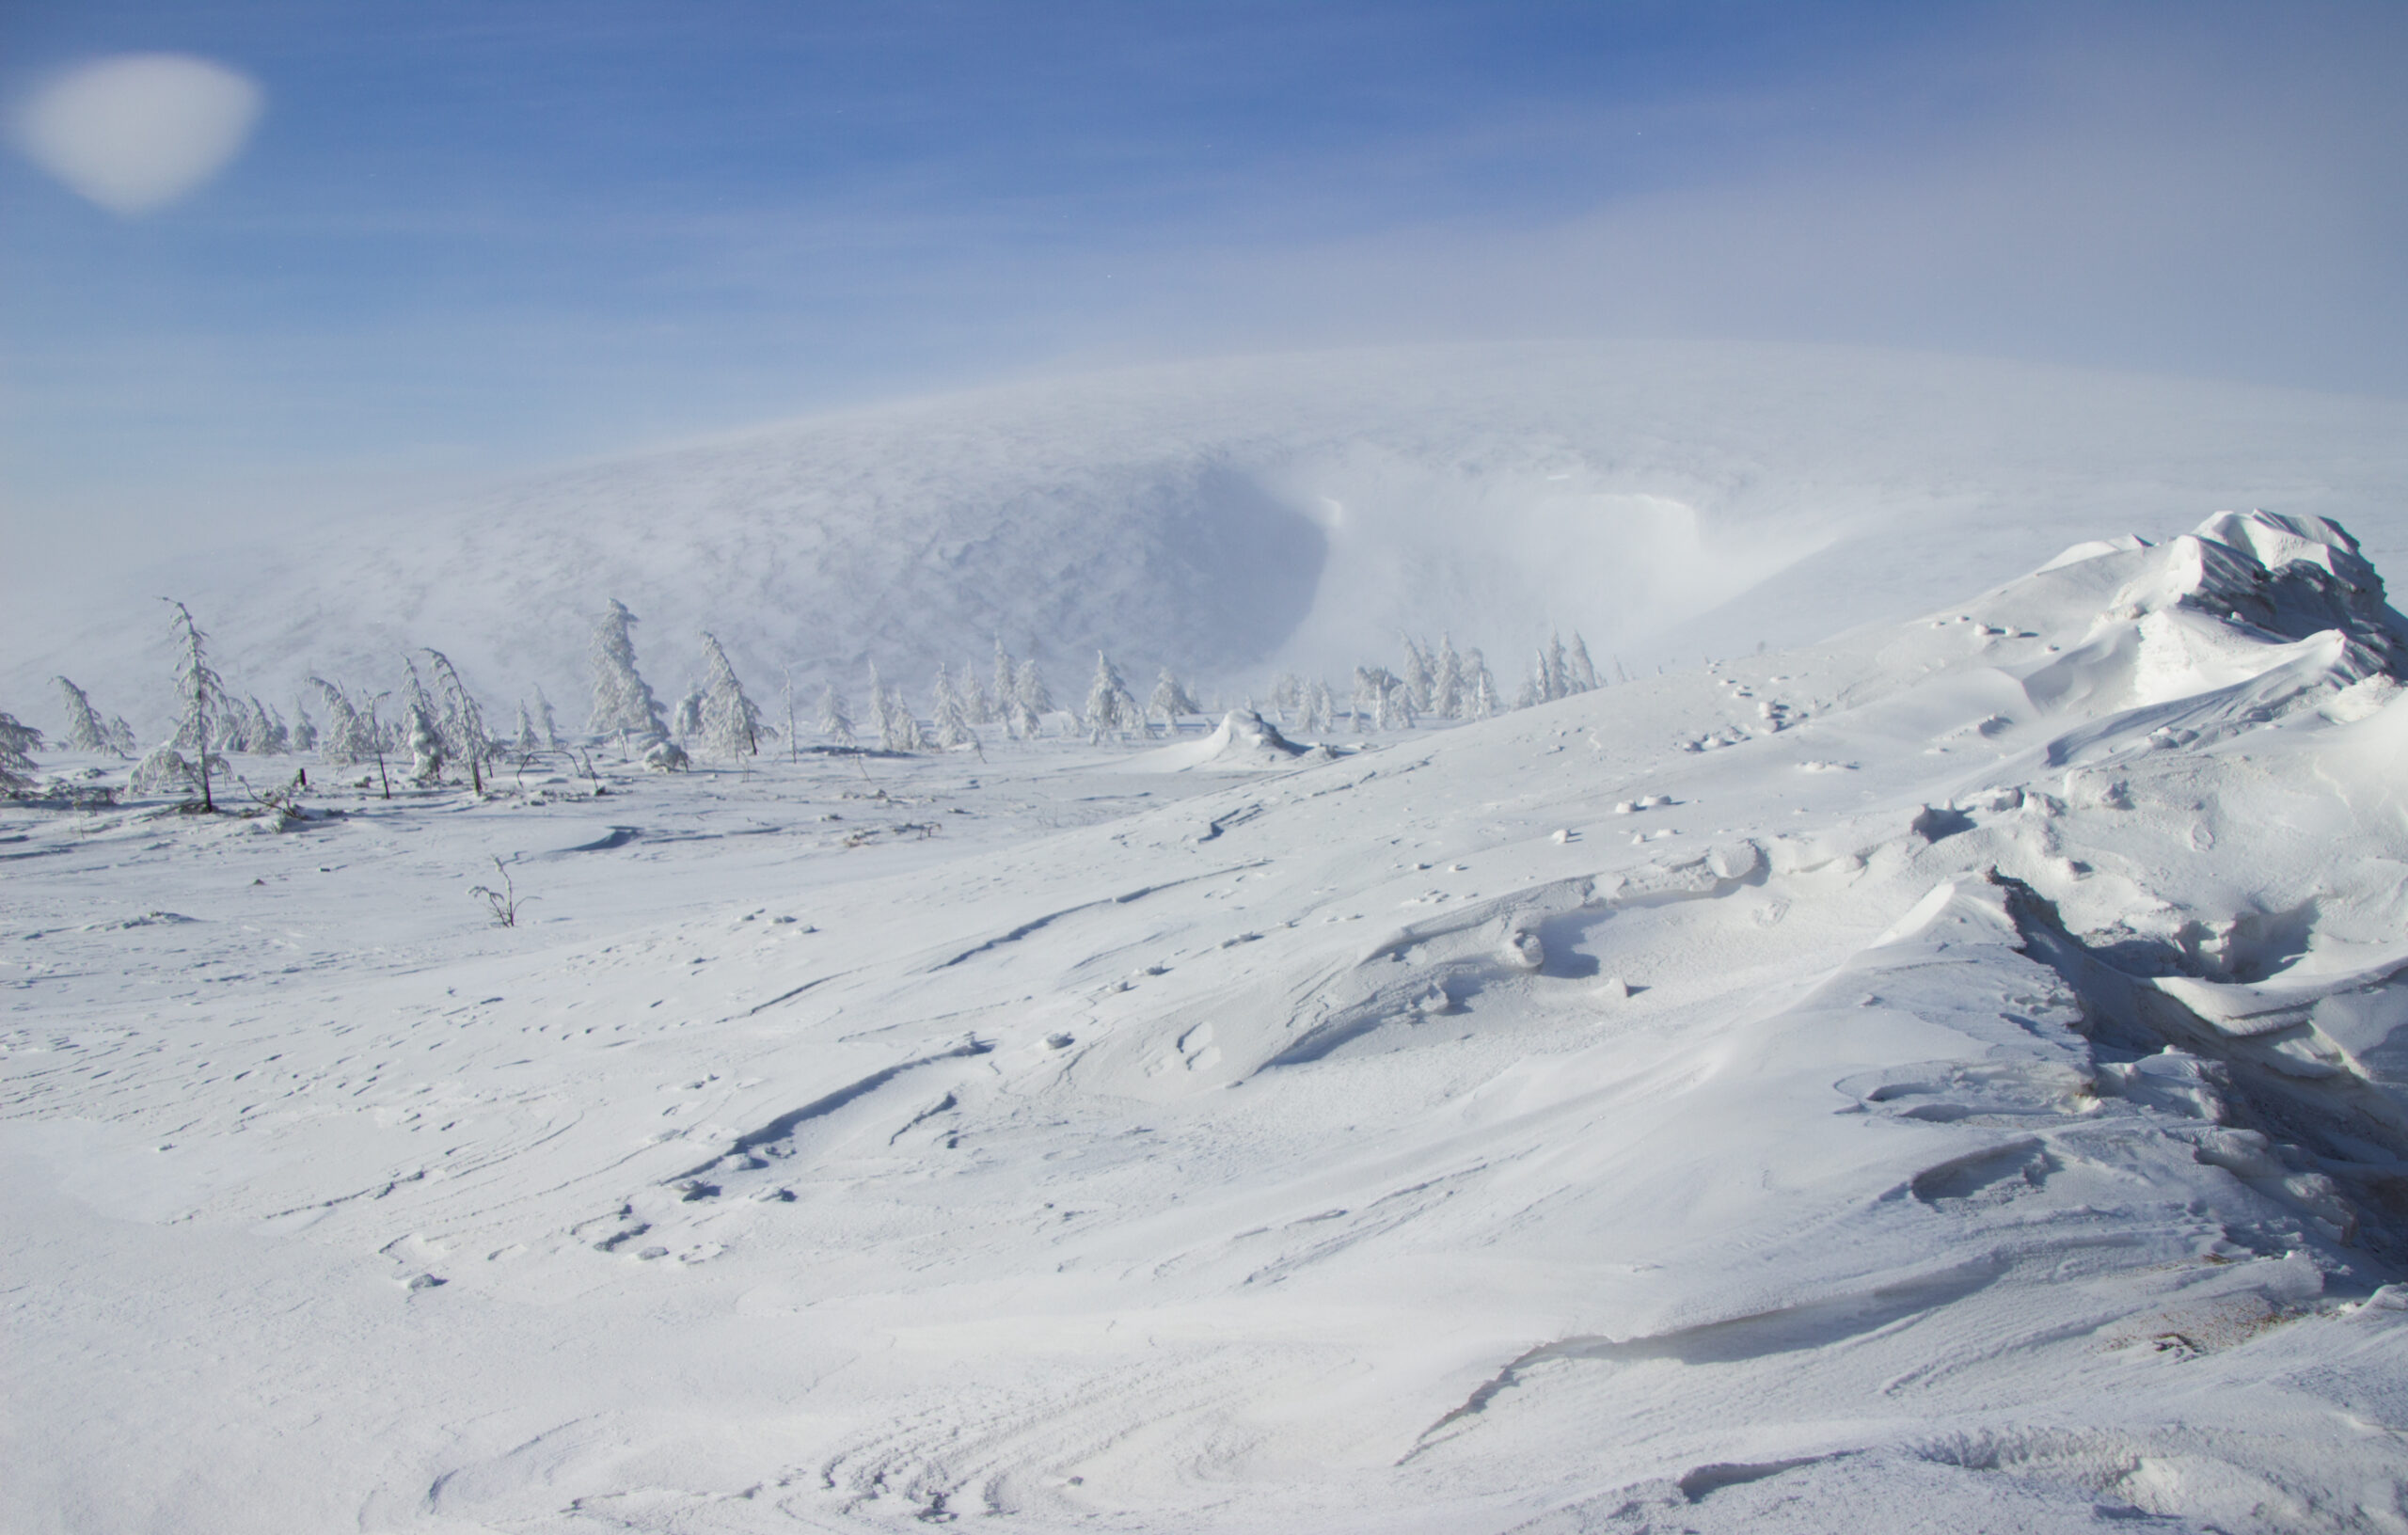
pixel 1959 1091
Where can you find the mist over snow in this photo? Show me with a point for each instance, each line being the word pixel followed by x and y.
pixel 1235 519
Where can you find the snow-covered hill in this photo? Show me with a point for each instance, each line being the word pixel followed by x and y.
pixel 1947 1078
pixel 1668 501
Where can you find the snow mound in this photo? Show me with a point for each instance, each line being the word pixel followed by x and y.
pixel 1242 742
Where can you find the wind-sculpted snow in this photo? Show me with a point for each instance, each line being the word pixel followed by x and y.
pixel 1946 1078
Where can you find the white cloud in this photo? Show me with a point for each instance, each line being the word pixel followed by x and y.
pixel 138 130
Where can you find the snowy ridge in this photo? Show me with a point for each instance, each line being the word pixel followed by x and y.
pixel 1946 1078
pixel 1235 519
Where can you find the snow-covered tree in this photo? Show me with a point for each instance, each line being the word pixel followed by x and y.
pixel 1110 705
pixel 686 720
pixel 265 734
pixel 731 724
pixel 1006 688
pixel 543 717
pixel 425 741
pixel 1375 689
pixel 899 728
pixel 1446 681
pixel 977 706
pixel 1421 675
pixel 622 702
pixel 836 719
pixel 1534 686
pixel 304 730
pixel 949 716
pixel 1582 672
pixel 1170 700
pixel 349 736
pixel 201 698
pixel 18 742
pixel 461 721
pixel 1031 700
pixel 84 732
pixel 528 743
pixel 1481 698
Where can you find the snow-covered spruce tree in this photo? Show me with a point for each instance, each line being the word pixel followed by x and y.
pixel 1170 700
pixel 461 721
pixel 84 732
pixel 18 742
pixel 1446 681
pixel 977 706
pixel 1420 674
pixel 201 701
pixel 1031 700
pixel 622 702
pixel 304 730
pixel 1481 698
pixel 898 729
pixel 686 720
pixel 269 735
pixel 1007 687
pixel 949 716
pixel 1583 673
pixel 794 742
pixel 731 724
pixel 836 719
pixel 348 738
pixel 121 736
pixel 425 742
pixel 1110 705
pixel 528 743
pixel 543 717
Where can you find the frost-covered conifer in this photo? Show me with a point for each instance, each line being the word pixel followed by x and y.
pixel 1446 681
pixel 349 735
pixel 1582 671
pixel 18 742
pixel 1374 690
pixel 1031 697
pixel 1534 686
pixel 622 702
pixel 1481 698
pixel 202 700
pixel 267 734
pixel 977 706
pixel 949 715
pixel 529 743
pixel 304 730
pixel 730 723
pixel 1316 705
pixel 461 721
pixel 120 736
pixel 898 729
pixel 1421 675
pixel 84 732
pixel 1005 686
pixel 425 742
pixel 1170 700
pixel 686 720
pixel 1110 705
pixel 543 717
pixel 835 720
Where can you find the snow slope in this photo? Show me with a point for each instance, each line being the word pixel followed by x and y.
pixel 1947 1078
pixel 1235 517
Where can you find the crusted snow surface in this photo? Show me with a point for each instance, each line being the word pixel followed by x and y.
pixel 2001 1125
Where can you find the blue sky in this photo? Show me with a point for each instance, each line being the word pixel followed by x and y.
pixel 472 237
